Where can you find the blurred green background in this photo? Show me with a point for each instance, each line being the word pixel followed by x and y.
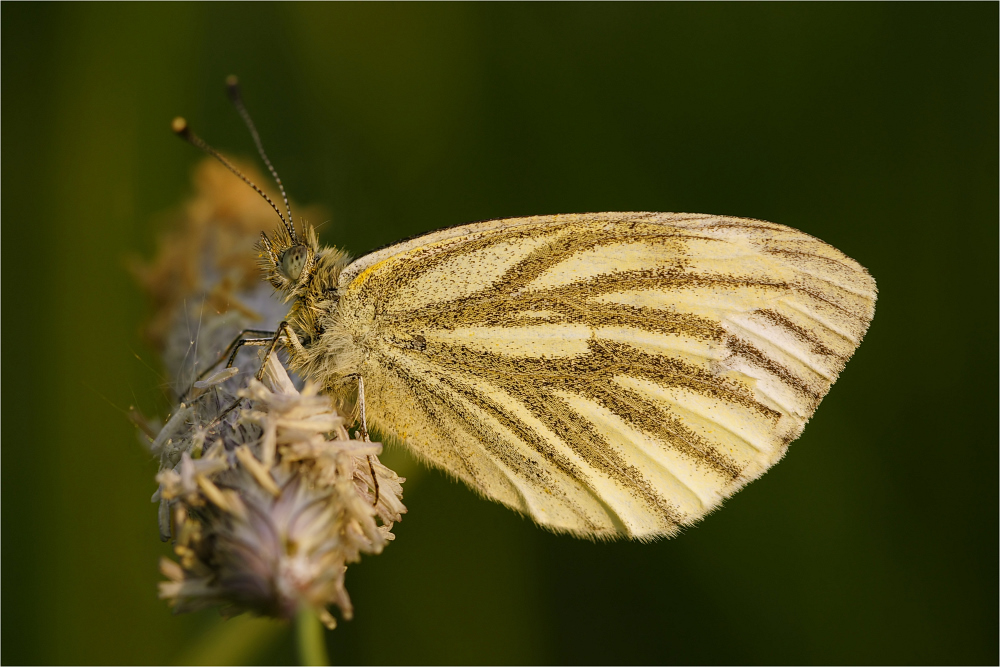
pixel 871 126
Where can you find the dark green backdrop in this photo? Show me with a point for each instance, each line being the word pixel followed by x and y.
pixel 873 127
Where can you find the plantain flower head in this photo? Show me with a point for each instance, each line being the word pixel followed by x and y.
pixel 264 493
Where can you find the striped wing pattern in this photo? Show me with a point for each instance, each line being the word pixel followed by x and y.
pixel 607 374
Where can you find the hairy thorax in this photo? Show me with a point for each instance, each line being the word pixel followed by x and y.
pixel 325 350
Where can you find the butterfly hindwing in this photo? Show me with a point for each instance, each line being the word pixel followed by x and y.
pixel 607 374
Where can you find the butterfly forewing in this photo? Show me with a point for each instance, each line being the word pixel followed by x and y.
pixel 607 374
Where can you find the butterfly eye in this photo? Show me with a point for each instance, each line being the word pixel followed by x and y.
pixel 293 261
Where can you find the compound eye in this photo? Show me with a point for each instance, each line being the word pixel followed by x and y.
pixel 293 261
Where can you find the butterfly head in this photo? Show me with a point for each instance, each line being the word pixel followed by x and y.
pixel 288 259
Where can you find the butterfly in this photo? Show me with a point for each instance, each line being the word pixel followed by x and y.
pixel 606 374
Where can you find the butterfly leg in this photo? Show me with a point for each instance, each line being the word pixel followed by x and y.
pixel 363 429
pixel 282 328
pixel 271 343
pixel 230 352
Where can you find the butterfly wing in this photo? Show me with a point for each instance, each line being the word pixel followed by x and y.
pixel 607 374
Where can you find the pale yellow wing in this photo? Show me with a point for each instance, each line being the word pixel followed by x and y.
pixel 607 374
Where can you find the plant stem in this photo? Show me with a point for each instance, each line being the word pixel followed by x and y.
pixel 310 638
pixel 236 641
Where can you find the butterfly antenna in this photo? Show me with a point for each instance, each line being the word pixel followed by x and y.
pixel 181 129
pixel 233 86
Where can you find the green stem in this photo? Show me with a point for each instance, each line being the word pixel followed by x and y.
pixel 310 638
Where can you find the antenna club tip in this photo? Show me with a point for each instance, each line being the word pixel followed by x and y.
pixel 179 126
pixel 233 87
